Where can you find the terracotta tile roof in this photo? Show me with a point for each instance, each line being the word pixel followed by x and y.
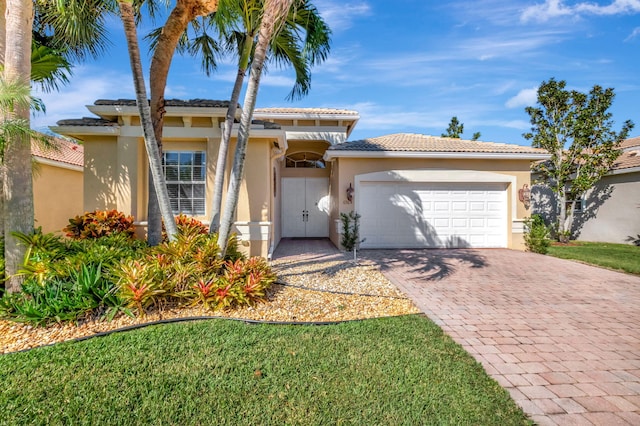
pixel 627 160
pixel 409 142
pixel 630 157
pixel 66 152
pixel 327 111
pixel 202 103
pixel 631 142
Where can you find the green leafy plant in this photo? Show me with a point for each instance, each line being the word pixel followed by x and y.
pixel 57 300
pixel 536 235
pixel 99 223
pixel 350 230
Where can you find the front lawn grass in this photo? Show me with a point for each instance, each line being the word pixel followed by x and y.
pixel 621 257
pixel 388 371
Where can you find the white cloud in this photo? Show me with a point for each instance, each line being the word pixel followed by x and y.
pixel 556 8
pixel 545 11
pixel 277 80
pixel 635 33
pixel 617 7
pixel 340 15
pixel 86 86
pixel 524 98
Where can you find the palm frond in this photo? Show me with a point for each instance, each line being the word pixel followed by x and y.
pixel 208 49
pixel 48 68
pixel 154 36
pixel 15 94
pixel 78 27
pixel 152 8
pixel 286 52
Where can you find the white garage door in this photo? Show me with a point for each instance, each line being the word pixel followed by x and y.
pixel 427 214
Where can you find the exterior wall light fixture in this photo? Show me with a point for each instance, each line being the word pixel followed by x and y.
pixel 524 195
pixel 350 192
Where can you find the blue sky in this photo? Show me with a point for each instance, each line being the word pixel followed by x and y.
pixel 410 65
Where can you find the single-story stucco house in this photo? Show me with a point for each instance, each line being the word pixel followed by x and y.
pixel 301 173
pixel 57 184
pixel 610 212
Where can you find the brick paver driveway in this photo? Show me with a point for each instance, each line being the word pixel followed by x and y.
pixel 562 337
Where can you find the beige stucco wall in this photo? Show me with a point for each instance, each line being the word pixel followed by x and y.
pixel 116 177
pixel 103 176
pixel 57 196
pixel 613 218
pixel 346 169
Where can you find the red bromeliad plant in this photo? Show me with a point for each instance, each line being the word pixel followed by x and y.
pixel 205 292
pixel 224 294
pixel 254 286
pixel 138 286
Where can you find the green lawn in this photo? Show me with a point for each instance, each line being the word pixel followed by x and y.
pixel 622 257
pixel 389 371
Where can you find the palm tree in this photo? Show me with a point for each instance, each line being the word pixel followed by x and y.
pixel 127 15
pixel 285 48
pixel 274 13
pixel 18 195
pixel 63 17
pixel 173 31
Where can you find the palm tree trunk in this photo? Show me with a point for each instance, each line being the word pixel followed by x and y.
pixel 223 150
pixel 274 11
pixel 3 39
pixel 155 162
pixel 183 13
pixel 18 183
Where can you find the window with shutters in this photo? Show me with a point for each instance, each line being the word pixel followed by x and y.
pixel 185 173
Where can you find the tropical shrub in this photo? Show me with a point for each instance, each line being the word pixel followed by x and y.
pixel 243 282
pixel 536 235
pixel 187 224
pixel 85 293
pixel 138 285
pixel 70 279
pixel 66 280
pixel 99 223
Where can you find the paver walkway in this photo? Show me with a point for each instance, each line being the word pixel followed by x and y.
pixel 562 337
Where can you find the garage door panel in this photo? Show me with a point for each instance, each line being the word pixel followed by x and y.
pixel 459 222
pixel 459 206
pixel 420 214
pixel 477 206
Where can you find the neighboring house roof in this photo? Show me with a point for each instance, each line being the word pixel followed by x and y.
pixel 63 151
pixel 629 160
pixel 630 143
pixel 305 111
pixel 415 145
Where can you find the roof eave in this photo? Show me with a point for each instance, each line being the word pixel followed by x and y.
pixel 331 154
pixel 56 163
pixel 625 170
pixel 77 131
pixel 307 116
